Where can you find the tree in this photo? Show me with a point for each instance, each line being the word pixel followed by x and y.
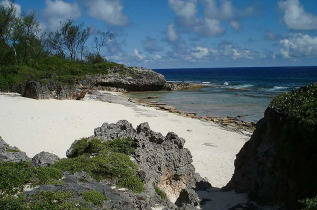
pixel 69 40
pixel 101 40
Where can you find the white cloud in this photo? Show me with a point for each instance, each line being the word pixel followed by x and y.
pixel 109 11
pixel 229 51
pixel 210 23
pixel 138 55
pixel 299 45
pixel 17 7
pixel 210 27
pixel 171 33
pixel 150 45
pixel 59 11
pixel 235 25
pixel 295 16
pixel 199 52
pixel 185 10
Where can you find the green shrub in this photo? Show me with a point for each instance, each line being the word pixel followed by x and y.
pixel 110 165
pixel 160 192
pixel 12 150
pixel 94 197
pixel 14 176
pixel 48 174
pixel 93 146
pixel 309 203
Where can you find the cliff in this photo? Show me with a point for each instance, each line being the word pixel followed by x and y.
pixel 75 87
pixel 277 166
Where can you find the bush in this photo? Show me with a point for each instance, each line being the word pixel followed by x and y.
pixel 42 200
pixel 14 176
pixel 107 165
pixel 309 203
pixel 94 197
pixel 93 146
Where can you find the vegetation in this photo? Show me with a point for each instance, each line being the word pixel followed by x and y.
pixel 27 53
pixel 309 203
pixel 94 197
pixel 86 146
pixel 107 160
pixel 14 176
pixel 59 200
pixel 12 150
pixel 160 192
pixel 300 104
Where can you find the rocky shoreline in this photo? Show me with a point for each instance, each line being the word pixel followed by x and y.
pixel 231 123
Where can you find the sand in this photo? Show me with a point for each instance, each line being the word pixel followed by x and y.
pixel 52 126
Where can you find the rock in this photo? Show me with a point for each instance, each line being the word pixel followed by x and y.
pixel 278 164
pixel 133 79
pixel 11 154
pixel 161 160
pixel 187 196
pixel 47 89
pixel 44 159
pixel 182 86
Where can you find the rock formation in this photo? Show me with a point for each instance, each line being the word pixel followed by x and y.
pixel 126 79
pixel 162 160
pixel 278 164
pixel 11 154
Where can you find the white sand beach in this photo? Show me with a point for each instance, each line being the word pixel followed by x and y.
pixel 52 125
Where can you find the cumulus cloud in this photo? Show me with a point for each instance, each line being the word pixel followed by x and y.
pixel 210 24
pixel 109 11
pixel 171 33
pixel 150 45
pixel 299 45
pixel 295 16
pixel 16 6
pixel 59 11
pixel 200 52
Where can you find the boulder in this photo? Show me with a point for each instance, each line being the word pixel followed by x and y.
pixel 162 161
pixel 278 164
pixel 44 159
pixel 11 154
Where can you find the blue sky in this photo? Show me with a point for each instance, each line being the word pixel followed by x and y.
pixel 194 33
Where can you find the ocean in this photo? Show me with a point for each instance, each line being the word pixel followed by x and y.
pixel 244 92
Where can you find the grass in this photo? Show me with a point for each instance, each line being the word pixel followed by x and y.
pixel 94 197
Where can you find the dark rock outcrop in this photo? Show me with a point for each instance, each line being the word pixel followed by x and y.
pixel 278 165
pixel 119 79
pixel 11 154
pixel 162 161
pixel 44 159
pixel 49 89
pixel 130 79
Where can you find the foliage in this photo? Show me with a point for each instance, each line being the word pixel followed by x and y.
pixel 160 192
pixel 309 203
pixel 300 104
pixel 94 197
pixel 86 146
pixel 12 150
pixel 59 200
pixel 109 160
pixel 14 176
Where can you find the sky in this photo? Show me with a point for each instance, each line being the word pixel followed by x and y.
pixel 193 33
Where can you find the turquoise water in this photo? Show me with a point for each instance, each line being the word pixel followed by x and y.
pixel 232 91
